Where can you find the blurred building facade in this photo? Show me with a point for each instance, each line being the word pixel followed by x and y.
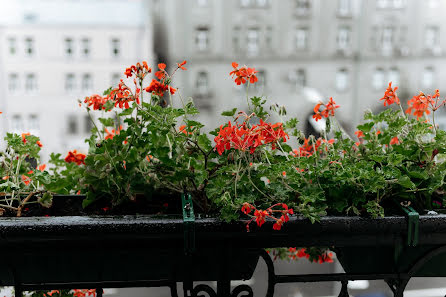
pixel 345 49
pixel 54 53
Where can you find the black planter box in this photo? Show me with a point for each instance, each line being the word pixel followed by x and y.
pixel 60 250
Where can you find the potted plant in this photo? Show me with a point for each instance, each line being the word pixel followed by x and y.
pixel 146 151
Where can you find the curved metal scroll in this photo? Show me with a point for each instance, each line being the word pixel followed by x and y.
pixel 242 289
pixel 398 286
pixel 271 274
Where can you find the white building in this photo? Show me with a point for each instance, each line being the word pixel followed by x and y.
pixel 347 49
pixel 53 53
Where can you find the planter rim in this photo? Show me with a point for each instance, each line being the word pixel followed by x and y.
pixel 299 231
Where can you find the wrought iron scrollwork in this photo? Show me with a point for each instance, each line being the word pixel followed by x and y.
pixel 198 291
pixel 245 290
pixel 397 282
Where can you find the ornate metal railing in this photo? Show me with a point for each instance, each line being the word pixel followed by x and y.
pixel 144 251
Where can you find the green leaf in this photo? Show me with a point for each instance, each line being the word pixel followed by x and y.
pixel 107 122
pixel 406 182
pixel 127 112
pixel 229 113
pixel 204 142
pixel 366 127
pixel 46 200
pixel 108 91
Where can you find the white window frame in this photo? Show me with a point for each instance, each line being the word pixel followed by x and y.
pixel 343 39
pixel 29 46
pixel 301 38
pixel 253 41
pixel 70 82
pixel 378 78
pixel 202 39
pixel 13 82
pixel 86 47
pixel 31 83
pixel 115 43
pixel 87 82
pixel 342 79
pixel 202 83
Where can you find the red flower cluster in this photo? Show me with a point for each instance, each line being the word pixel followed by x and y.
pixel 328 111
pixel 84 292
pixel 122 95
pixel 394 140
pixel 75 157
pixel 139 70
pixel 390 96
pixel 295 253
pixel 359 134
pixel 242 138
pixel 112 133
pixel 160 87
pixel 307 149
pixel 420 105
pixel 24 137
pixel 97 101
pixel 261 215
pixel 243 74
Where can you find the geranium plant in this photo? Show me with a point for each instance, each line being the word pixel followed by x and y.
pixel 146 143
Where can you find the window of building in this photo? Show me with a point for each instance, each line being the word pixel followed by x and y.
pixel 298 79
pixel 13 82
pixel 29 46
pixel 252 45
pixel 202 3
pixel 88 124
pixel 245 3
pixel 202 39
pixel 383 3
pixel 399 4
pixel 262 3
pixel 12 45
pixel 236 37
pixel 344 7
pixel 342 79
pixel 387 40
pixel 33 123
pixel 85 47
pixel 432 3
pixel 431 37
pixel 30 17
pixel 115 47
pixel 301 79
pixel 343 38
pixel 31 82
pixel 301 38
pixel 378 79
pixel 202 83
pixel 115 78
pixel 261 82
pixel 72 125
pixel 394 76
pixel 69 47
pixel 87 82
pixel 303 7
pixel 427 79
pixel 269 37
pixel 17 123
pixel 70 82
